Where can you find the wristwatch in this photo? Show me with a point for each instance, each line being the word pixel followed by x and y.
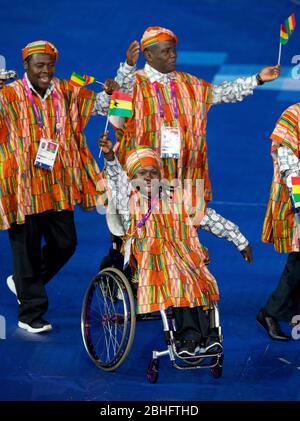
pixel 259 79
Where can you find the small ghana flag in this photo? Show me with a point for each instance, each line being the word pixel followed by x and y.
pixel 77 80
pixel 296 190
pixel 89 79
pixel 290 24
pixel 120 104
pixel 283 35
pixel 287 29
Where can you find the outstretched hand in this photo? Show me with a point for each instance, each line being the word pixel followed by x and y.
pixel 270 73
pixel 132 53
pixel 107 146
pixel 247 254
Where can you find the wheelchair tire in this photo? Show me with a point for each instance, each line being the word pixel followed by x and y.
pixel 108 319
pixel 217 370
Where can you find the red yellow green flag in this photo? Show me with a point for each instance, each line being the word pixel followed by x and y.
pixel 290 24
pixel 120 105
pixel 296 190
pixel 77 80
pixel 89 79
pixel 287 29
pixel 283 35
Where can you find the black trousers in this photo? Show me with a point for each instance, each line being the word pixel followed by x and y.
pixel 34 265
pixel 284 302
pixel 192 324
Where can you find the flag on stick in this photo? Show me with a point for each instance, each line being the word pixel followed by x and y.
pixel 286 31
pixel 290 24
pixel 89 79
pixel 120 104
pixel 120 107
pixel 284 37
pixel 77 80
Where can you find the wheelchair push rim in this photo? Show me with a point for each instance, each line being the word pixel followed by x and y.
pixel 108 319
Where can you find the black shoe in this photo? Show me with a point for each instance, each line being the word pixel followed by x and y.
pixel 213 345
pixel 270 324
pixel 188 349
pixel 36 326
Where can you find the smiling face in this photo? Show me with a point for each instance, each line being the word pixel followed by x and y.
pixel 40 70
pixel 162 56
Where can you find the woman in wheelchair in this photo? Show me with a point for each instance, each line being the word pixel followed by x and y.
pixel 167 259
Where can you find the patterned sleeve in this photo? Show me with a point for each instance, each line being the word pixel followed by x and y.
pixel 125 78
pixel 120 190
pixel 288 164
pixel 234 91
pixel 223 228
pixel 286 132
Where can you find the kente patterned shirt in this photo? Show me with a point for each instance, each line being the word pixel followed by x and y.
pixel 279 224
pixel 225 92
pixel 212 222
pixel 168 260
pixel 26 189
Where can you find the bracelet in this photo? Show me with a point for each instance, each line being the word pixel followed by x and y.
pixel 259 79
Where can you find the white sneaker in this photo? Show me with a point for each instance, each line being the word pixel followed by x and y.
pixel 36 327
pixel 11 285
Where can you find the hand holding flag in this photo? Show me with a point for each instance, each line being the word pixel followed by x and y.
pixel 120 107
pixel 106 146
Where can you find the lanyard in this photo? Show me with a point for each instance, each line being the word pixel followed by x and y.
pixel 160 99
pixel 145 218
pixel 35 108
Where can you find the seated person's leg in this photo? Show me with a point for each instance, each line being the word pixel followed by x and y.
pixel 191 328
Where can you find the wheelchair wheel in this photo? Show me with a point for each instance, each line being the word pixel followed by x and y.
pixel 217 370
pixel 108 319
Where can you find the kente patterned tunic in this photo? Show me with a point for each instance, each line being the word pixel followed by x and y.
pixel 194 98
pixel 168 259
pixel 279 225
pixel 26 189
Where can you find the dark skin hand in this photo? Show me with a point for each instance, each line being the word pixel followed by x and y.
pixel 107 147
pixel 270 73
pixel 1 83
pixel 110 86
pixel 247 254
pixel 132 53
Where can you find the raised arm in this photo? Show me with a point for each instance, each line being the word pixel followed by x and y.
pixel 243 86
pixel 123 81
pixel 118 182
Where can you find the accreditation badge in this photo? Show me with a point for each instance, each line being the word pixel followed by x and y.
pixel 46 154
pixel 170 142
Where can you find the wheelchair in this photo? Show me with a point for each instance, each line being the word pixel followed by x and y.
pixel 108 321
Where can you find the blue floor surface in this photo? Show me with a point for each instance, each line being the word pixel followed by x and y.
pixel 215 38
